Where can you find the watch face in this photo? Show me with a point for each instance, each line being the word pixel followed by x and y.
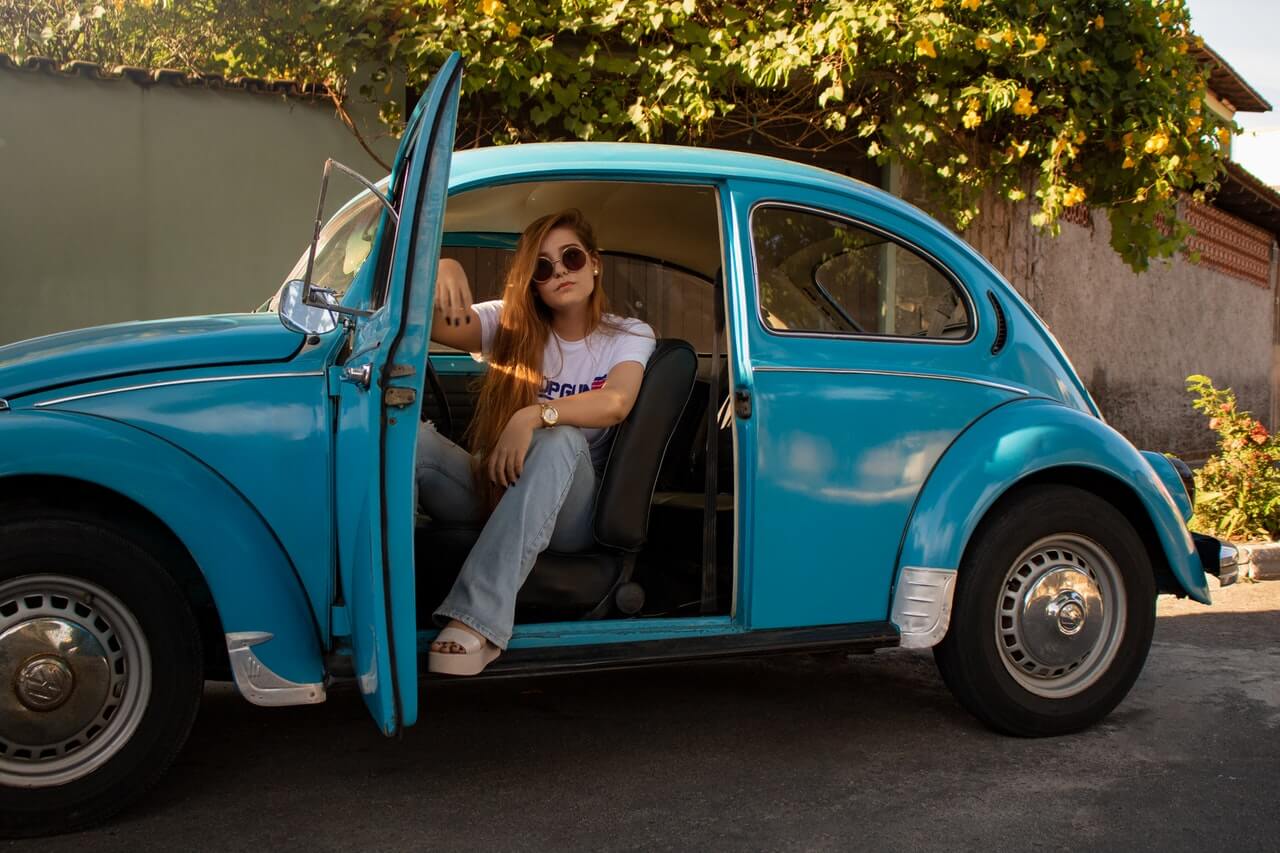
pixel 550 415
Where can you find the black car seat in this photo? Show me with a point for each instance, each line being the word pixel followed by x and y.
pixel 588 584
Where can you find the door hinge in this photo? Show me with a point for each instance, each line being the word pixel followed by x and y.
pixel 397 370
pixel 339 624
pixel 399 397
pixel 333 381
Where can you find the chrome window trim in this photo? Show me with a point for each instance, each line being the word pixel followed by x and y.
pixel 192 381
pixel 932 259
pixel 4 405
pixel 908 373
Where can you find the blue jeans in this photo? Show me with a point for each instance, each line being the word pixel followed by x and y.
pixel 551 505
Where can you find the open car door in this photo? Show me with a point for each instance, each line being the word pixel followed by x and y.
pixel 380 399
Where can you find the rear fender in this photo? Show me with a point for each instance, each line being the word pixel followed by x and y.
pixel 254 585
pixel 1016 441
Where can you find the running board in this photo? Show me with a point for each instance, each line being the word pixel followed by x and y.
pixel 855 637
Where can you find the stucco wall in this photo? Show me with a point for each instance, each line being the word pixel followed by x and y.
pixel 123 202
pixel 1134 338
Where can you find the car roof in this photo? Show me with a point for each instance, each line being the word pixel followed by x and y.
pixel 596 158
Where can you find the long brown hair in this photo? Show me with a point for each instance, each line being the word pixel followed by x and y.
pixel 515 359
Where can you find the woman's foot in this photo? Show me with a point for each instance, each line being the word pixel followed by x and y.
pixel 460 650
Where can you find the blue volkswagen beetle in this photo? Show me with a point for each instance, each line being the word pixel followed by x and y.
pixel 853 434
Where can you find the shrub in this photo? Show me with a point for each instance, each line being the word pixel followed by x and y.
pixel 1238 488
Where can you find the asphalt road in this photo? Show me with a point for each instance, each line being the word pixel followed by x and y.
pixel 809 753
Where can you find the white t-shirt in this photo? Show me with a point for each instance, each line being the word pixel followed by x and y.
pixel 571 367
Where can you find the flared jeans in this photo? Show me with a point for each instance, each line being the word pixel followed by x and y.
pixel 551 505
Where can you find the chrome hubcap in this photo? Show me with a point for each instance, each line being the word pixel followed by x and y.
pixel 74 679
pixel 44 683
pixel 1060 617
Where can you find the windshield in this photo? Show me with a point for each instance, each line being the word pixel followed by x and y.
pixel 345 243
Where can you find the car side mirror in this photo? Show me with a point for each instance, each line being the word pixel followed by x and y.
pixel 298 316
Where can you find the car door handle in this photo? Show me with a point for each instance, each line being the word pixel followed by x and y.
pixel 358 375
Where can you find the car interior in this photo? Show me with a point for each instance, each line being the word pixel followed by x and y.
pixel 664 523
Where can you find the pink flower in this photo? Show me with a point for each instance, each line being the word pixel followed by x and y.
pixel 1214 423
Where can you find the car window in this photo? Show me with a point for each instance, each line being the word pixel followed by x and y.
pixel 819 273
pixel 345 243
pixel 675 303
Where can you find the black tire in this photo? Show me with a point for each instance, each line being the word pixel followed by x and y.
pixel 95 578
pixel 1019 671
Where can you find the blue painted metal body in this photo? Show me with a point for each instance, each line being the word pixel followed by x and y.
pixel 861 455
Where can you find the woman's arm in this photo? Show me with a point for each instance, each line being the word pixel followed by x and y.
pixel 453 322
pixel 603 407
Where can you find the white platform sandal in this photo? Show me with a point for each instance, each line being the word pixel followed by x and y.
pixel 476 655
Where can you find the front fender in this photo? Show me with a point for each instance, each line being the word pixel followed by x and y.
pixel 254 585
pixel 1015 441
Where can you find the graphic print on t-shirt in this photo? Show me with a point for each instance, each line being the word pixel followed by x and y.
pixel 552 390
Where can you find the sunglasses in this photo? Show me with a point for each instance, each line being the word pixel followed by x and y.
pixel 573 259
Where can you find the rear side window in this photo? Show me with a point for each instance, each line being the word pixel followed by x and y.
pixel 824 274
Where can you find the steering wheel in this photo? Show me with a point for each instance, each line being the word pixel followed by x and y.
pixel 442 402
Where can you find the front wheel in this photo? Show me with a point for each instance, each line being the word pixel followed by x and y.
pixel 100 672
pixel 1053 614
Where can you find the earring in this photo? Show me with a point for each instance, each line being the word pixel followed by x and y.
pixel 595 272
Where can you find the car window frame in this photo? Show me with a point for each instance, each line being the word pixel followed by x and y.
pixel 929 257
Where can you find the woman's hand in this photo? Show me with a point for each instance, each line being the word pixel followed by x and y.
pixel 453 294
pixel 506 460
pixel 454 324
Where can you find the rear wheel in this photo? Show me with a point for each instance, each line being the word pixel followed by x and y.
pixel 1053 613
pixel 100 672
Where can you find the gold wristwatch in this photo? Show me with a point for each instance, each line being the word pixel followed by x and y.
pixel 550 417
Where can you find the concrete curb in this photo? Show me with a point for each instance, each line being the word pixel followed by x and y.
pixel 1260 561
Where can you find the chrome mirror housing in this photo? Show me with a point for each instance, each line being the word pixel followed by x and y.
pixel 299 315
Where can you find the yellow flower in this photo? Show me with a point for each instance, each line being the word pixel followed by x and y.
pixel 491 7
pixel 1040 41
pixel 1164 18
pixel 1224 135
pixel 1140 195
pixel 1156 143
pixel 1019 148
pixel 1016 195
pixel 1074 196
pixel 1080 137
pixel 1128 163
pixel 1023 105
pixel 971 119
pixel 1087 65
pixel 1194 104
pixel 513 29
pixel 925 48
pixel 938 4
pixel 1007 37
pixel 1099 22
pixel 1127 139
pixel 982 43
pixel 1193 124
pixel 971 5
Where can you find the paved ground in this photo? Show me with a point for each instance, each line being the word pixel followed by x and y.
pixel 783 754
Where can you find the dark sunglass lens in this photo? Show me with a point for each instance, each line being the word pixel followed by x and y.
pixel 573 259
pixel 543 269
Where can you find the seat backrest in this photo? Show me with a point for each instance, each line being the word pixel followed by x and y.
pixel 639 443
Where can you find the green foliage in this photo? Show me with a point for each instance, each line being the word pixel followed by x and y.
pixel 1238 488
pixel 1068 102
